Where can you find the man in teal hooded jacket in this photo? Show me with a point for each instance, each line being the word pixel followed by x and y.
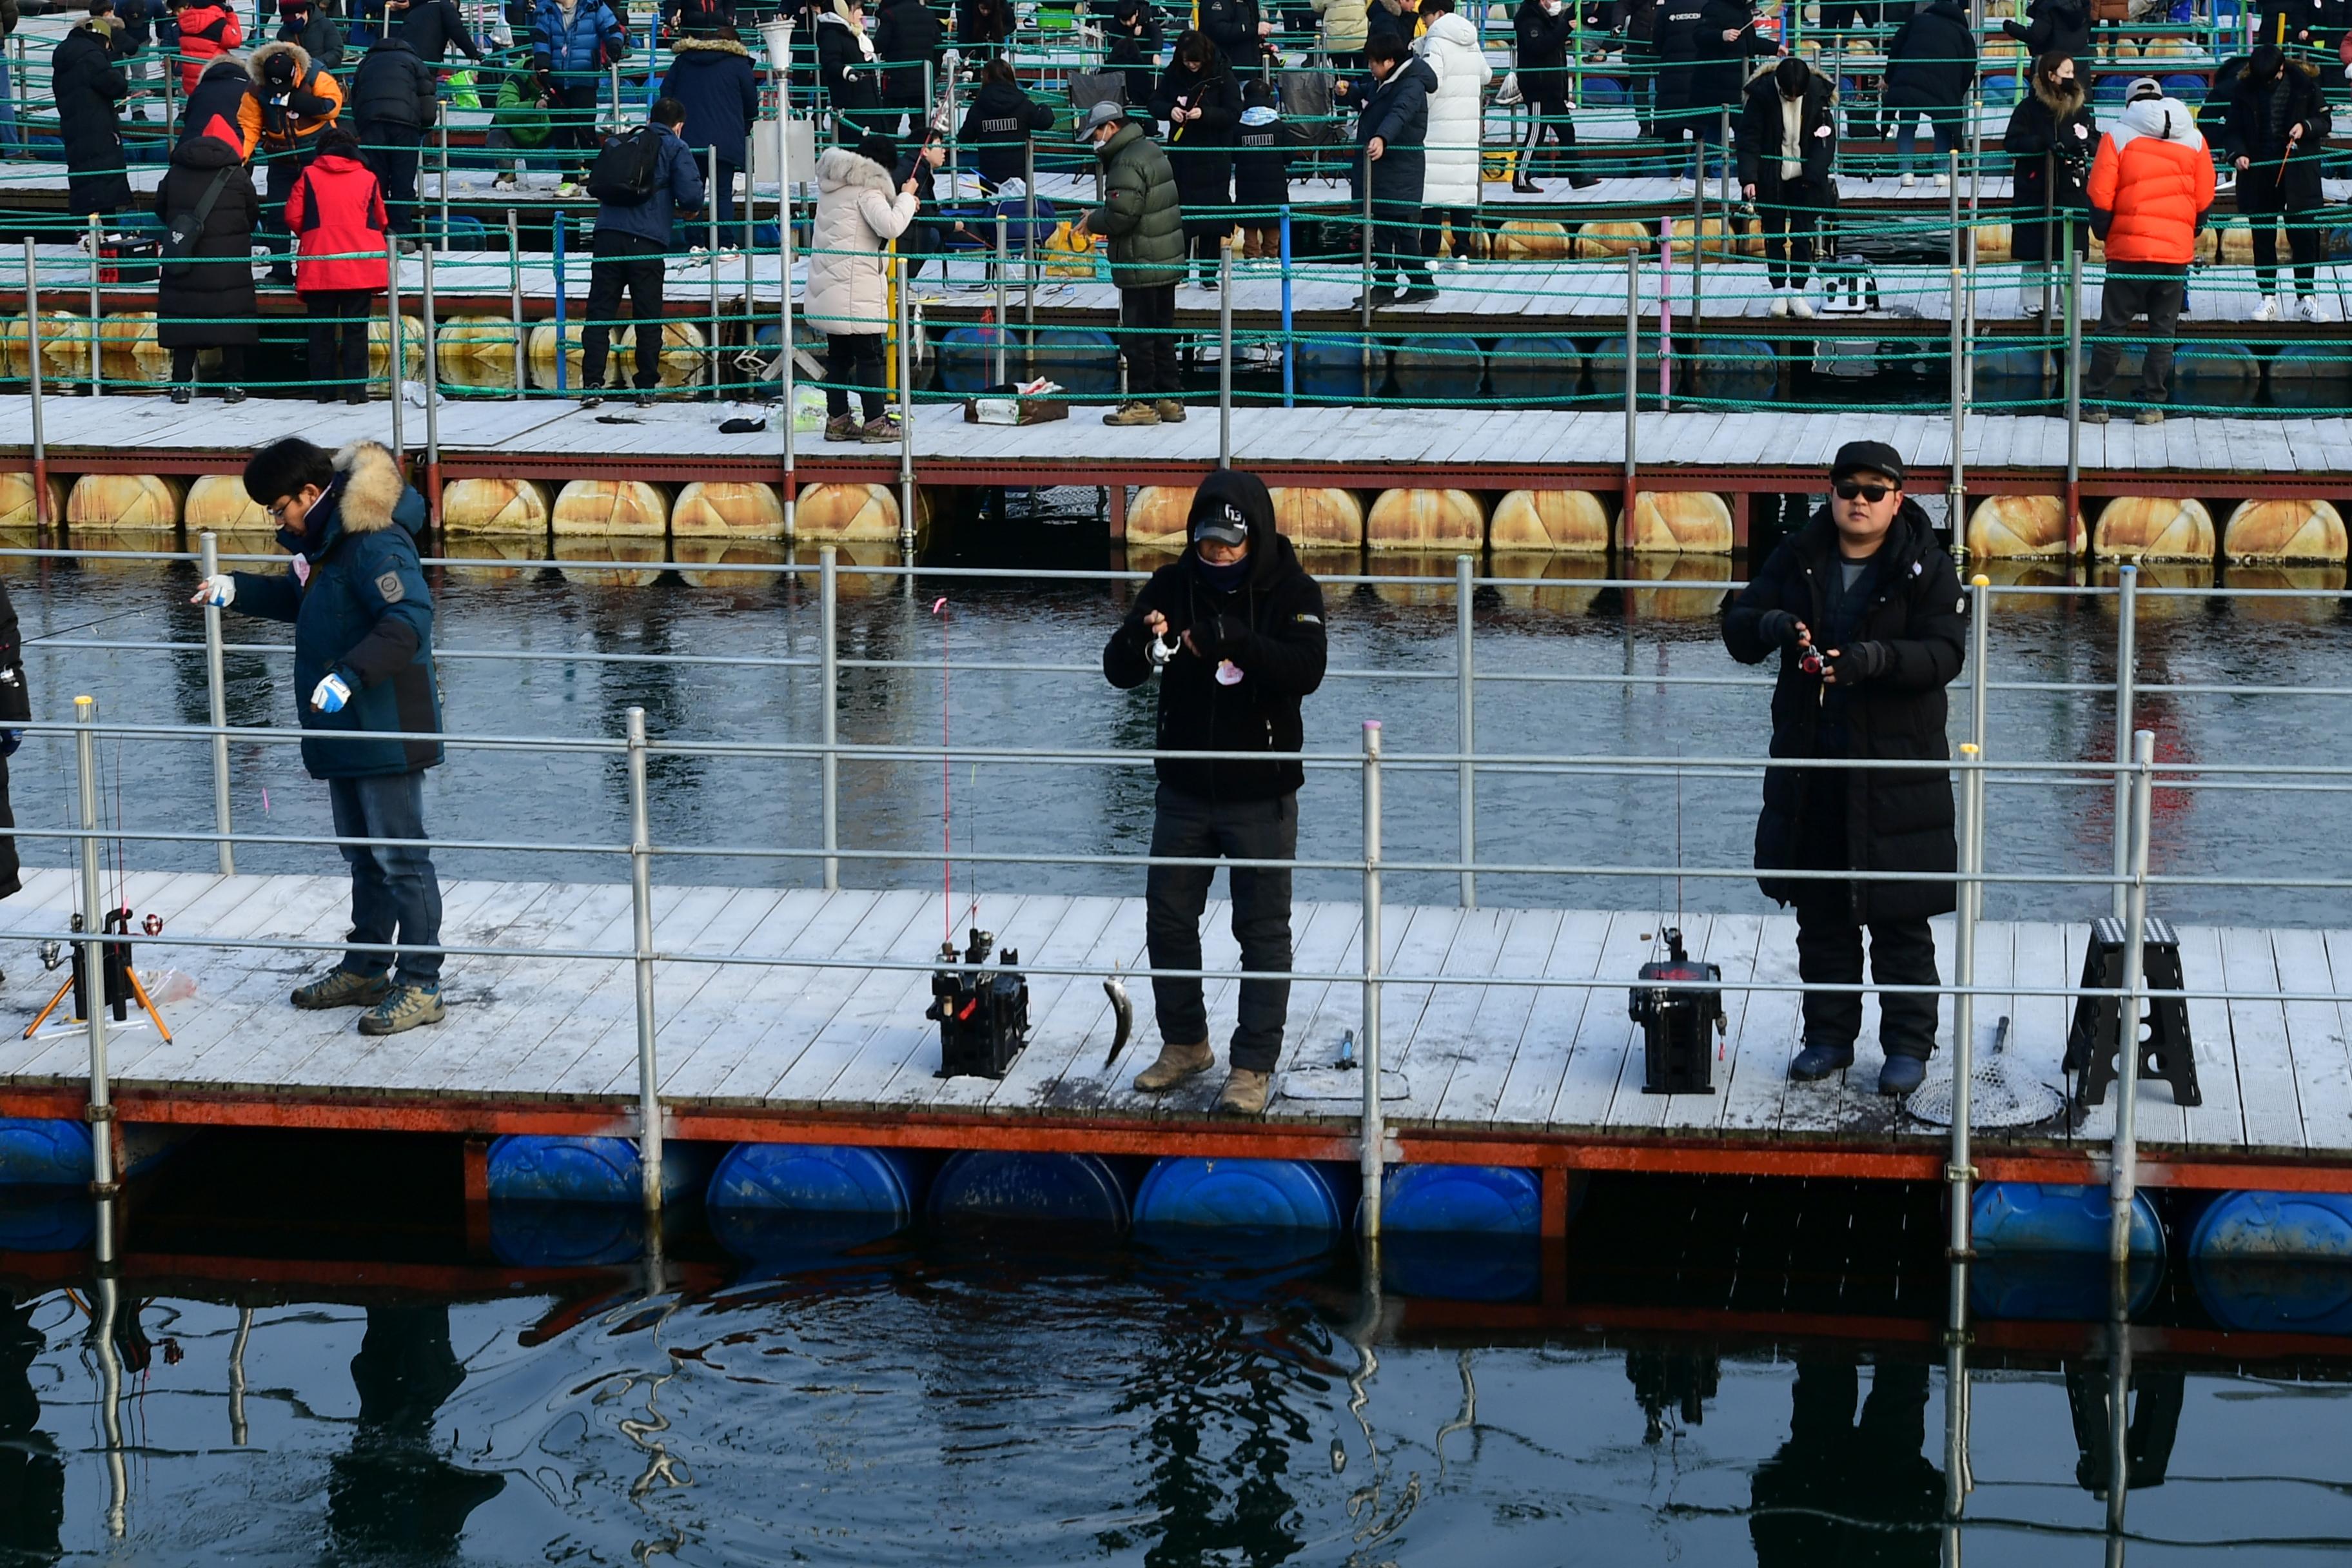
pixel 363 671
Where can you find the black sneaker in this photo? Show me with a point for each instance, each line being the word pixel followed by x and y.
pixel 645 400
pixel 1420 296
pixel 1381 300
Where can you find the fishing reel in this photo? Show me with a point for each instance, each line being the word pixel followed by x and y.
pixel 1160 650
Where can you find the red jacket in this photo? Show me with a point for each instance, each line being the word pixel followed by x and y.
pixel 208 29
pixel 336 211
pixel 2151 184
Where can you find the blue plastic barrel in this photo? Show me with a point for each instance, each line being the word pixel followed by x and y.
pixel 1083 359
pixel 1444 368
pixel 2036 1217
pixel 2055 1287
pixel 1267 1195
pixel 537 1235
pixel 1481 1200
pixel 1535 372
pixel 1744 368
pixel 1065 1189
pixel 45 1153
pixel 967 357
pixel 2187 88
pixel 2310 375
pixel 1331 366
pixel 2273 1297
pixel 819 1178
pixel 45 1221
pixel 529 1168
pixel 2215 372
pixel 2301 1225
pixel 1457 1266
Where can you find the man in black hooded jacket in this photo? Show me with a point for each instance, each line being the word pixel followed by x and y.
pixel 1235 629
pixel 1866 614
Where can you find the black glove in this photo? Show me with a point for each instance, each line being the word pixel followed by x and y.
pixel 1862 661
pixel 1778 627
pixel 1206 638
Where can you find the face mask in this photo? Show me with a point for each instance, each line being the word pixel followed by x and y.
pixel 1223 579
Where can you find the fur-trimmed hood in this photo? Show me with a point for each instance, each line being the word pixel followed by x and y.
pixel 843 168
pixel 257 63
pixel 2062 104
pixel 720 46
pixel 370 488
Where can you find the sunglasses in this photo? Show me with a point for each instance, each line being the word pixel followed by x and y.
pixel 1848 489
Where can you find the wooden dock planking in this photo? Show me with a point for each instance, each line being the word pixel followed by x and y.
pixel 2315 1030
pixel 1531 1086
pixel 736 1061
pixel 2267 1077
pixel 686 1033
pixel 896 924
pixel 1501 1024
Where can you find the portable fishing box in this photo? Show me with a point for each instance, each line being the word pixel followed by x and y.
pixel 982 1012
pixel 1679 1005
pixel 127 258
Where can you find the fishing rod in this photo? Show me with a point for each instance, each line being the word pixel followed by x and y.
pixel 102 620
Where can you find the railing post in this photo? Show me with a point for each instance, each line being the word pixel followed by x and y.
pixel 1466 684
pixel 710 254
pixel 441 145
pixel 432 386
pixel 641 900
pixel 2073 380
pixel 217 703
pixel 2126 699
pixel 1003 297
pixel 97 235
pixel 1959 1173
pixel 2123 1164
pixel 1226 352
pixel 1289 365
pixel 1374 1135
pixel 555 264
pixel 41 513
pixel 396 365
pixel 92 999
pixel 1956 496
pixel 1980 654
pixel 828 611
pixel 906 418
pixel 1365 303
pixel 1632 380
pixel 514 305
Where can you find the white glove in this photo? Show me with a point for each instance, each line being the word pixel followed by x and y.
pixel 217 592
pixel 330 696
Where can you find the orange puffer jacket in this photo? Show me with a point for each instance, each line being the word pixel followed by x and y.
pixel 2151 184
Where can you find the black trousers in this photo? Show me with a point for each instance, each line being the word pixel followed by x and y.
pixel 232 366
pixel 1902 952
pixel 1203 240
pixel 853 359
pixel 339 340
pixel 394 152
pixel 1174 896
pixel 623 262
pixel 575 123
pixel 2259 197
pixel 11 874
pixel 1146 336
pixel 2150 289
pixel 1790 227
pixel 1400 248
pixel 1547 119
pixel 285 169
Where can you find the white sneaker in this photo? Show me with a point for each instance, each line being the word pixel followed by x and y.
pixel 1684 187
pixel 2308 308
pixel 1943 182
pixel 2268 309
pixel 1908 179
pixel 1779 306
pixel 1798 306
pixel 503 183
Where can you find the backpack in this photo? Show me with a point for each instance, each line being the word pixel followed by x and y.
pixel 628 170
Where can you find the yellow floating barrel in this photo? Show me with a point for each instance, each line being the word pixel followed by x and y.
pixel 653 551
pixel 2023 525
pixel 128 351
pixel 1612 236
pixel 495 505
pixel 610 509
pixel 2309 579
pixel 2153 574
pixel 18 507
pixel 1532 240
pixel 682 353
pixel 1707 575
pixel 728 509
pixel 412 347
pixel 1550 519
pixel 217 503
pixel 827 514
pixel 1555 581
pixel 1741 238
pixel 1159 514
pixel 65 344
pixel 1426 519
pixel 124 504
pixel 1687 522
pixel 2284 531
pixel 478 337
pixel 1310 517
pixel 1992 242
pixel 2153 528
pixel 710 558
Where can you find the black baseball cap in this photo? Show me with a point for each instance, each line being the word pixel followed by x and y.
pixel 1873 456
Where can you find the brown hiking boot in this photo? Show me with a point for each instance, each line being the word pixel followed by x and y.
pixel 1132 412
pixel 841 427
pixel 882 428
pixel 1176 1064
pixel 1171 412
pixel 1246 1093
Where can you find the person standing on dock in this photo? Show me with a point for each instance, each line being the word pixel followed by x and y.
pixel 2151 186
pixel 88 84
pixel 1787 139
pixel 862 205
pixel 710 73
pixel 1391 129
pixel 1246 622
pixel 395 99
pixel 363 619
pixel 1143 222
pixel 571 43
pixel 1864 613
pixel 2278 130
pixel 632 244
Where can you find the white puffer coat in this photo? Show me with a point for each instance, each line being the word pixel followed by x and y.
pixel 1457 111
pixel 858 212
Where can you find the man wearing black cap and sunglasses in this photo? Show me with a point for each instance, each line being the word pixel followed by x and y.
pixel 1235 626
pixel 1865 613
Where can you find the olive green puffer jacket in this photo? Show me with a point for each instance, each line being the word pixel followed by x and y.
pixel 1139 213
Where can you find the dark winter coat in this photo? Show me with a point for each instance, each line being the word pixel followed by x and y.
pixel 393 86
pixel 211 306
pixel 15 708
pixel 1201 151
pixel 2284 20
pixel 226 94
pixel 2051 141
pixel 1261 170
pixel 982 29
pixel 998 126
pixel 852 86
pixel 362 611
pixel 1760 133
pixel 908 36
pixel 289 121
pixel 1397 112
pixel 1140 214
pixel 677 186
pixel 1893 820
pixel 714 79
pixel 1232 25
pixel 88 82
pixel 2054 27
pixel 320 37
pixel 1931 59
pixel 433 28
pixel 1270 628
pixel 1131 35
pixel 2262 115
pixel 1541 59
pixel 1720 78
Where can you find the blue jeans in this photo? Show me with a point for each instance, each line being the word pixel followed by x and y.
pixel 1941 124
pixel 393 888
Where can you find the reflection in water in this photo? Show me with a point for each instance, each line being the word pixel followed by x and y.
pixel 32 1476
pixel 1679 1381
pixel 1843 1492
pixel 394 1494
pixel 2148 1440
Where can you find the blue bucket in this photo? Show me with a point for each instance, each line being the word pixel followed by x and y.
pixel 1066 1189
pixel 819 1178
pixel 528 1168
pixel 1266 1194
pixel 2305 1227
pixel 2268 1296
pixel 2055 1287
pixel 2034 1217
pixel 1476 1200
pixel 526 1235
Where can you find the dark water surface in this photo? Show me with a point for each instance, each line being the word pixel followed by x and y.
pixel 1622 660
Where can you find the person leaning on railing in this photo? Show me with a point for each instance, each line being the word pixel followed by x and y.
pixel 363 617
pixel 1143 222
pixel 88 84
pixel 1864 611
pixel 847 68
pixel 1235 627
